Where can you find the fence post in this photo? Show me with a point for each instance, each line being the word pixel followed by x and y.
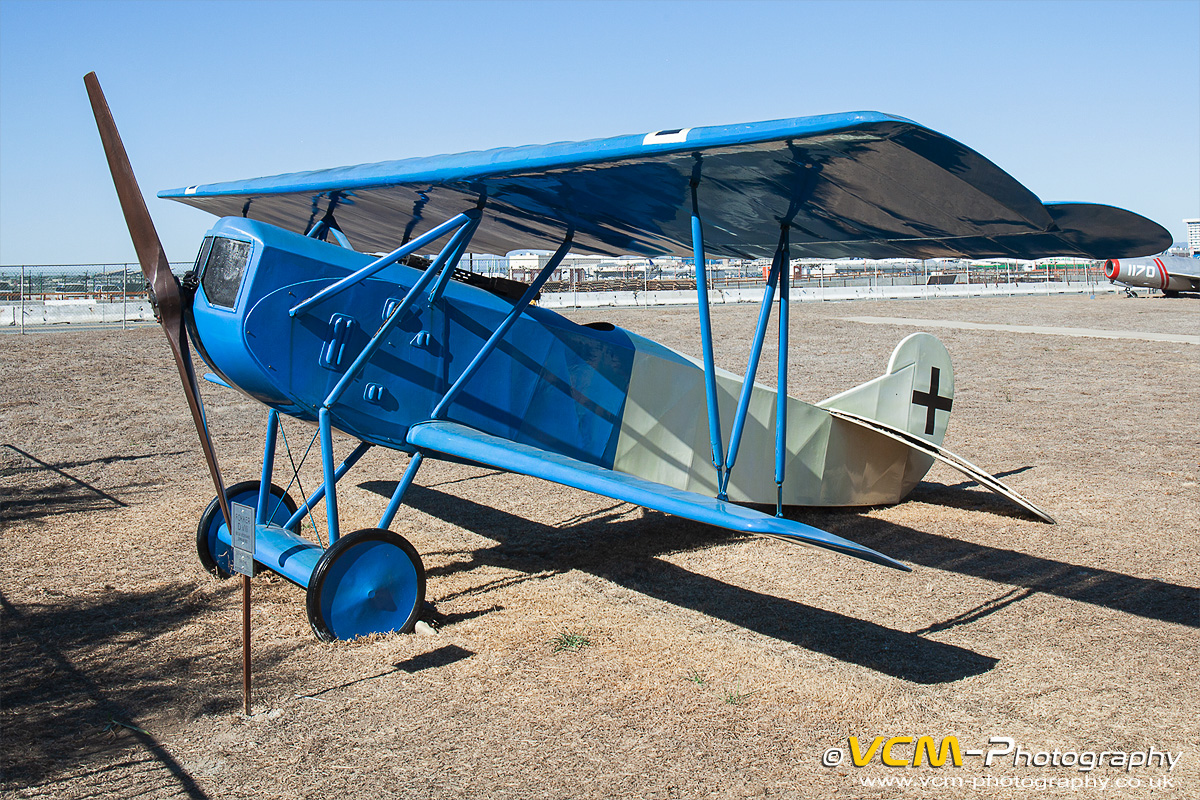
pixel 22 293
pixel 124 296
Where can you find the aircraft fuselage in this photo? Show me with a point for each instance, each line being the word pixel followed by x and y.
pixel 596 393
pixel 1170 274
pixel 559 386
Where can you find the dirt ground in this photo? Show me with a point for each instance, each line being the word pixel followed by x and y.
pixel 716 665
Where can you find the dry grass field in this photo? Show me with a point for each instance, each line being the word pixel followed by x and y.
pixel 715 666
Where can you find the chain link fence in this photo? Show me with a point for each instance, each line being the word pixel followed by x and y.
pixel 36 296
pixel 39 297
pixel 835 276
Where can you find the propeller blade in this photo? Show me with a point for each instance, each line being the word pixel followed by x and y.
pixel 164 287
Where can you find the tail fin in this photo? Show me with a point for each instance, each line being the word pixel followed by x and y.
pixel 914 395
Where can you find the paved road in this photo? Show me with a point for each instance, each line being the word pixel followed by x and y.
pixel 982 326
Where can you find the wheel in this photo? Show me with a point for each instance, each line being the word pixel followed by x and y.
pixel 215 555
pixel 371 581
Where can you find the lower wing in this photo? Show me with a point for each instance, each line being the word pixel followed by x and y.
pixel 462 442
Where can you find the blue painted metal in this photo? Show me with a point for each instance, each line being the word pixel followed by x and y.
pixel 393 506
pixel 444 263
pixel 341 237
pixel 781 394
pixel 219 540
pixel 456 248
pixel 519 392
pixel 535 380
pixel 239 347
pixel 358 452
pixel 504 326
pixel 268 464
pixel 385 261
pixel 364 585
pixel 710 373
pixel 333 354
pixel 460 441
pixel 325 426
pixel 760 332
pixel 323 229
pixel 280 550
pixel 868 185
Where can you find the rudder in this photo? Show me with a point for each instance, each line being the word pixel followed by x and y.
pixel 915 395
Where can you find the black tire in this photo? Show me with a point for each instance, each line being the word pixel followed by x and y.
pixel 370 581
pixel 216 556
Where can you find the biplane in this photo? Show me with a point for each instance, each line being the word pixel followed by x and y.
pixel 309 295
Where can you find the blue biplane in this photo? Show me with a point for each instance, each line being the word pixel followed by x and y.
pixel 286 305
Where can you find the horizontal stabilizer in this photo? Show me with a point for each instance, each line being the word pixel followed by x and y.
pixel 460 441
pixel 946 457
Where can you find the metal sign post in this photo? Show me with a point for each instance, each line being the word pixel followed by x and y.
pixel 242 534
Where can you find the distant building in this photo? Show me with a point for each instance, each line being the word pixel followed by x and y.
pixel 1193 226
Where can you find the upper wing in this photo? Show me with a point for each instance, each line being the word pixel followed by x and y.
pixel 460 441
pixel 860 184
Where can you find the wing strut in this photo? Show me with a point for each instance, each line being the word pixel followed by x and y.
pixel 440 410
pixel 710 374
pixel 464 226
pixel 441 268
pixel 764 316
pixel 778 276
pixel 781 395
pixel 421 241
pixel 458 248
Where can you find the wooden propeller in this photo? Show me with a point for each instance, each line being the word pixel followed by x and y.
pixel 164 287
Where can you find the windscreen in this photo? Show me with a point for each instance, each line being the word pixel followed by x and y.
pixel 223 271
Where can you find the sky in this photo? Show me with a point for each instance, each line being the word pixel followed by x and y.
pixel 1079 100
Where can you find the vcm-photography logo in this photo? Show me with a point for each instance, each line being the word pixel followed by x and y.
pixel 920 751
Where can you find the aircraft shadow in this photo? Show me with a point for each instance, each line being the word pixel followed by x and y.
pixel 1142 597
pixel 625 552
pixel 969 495
pixel 441 657
pixel 77 679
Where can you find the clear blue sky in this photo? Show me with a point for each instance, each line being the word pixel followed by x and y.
pixel 1084 101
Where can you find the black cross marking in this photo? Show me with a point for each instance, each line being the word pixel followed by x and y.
pixel 931 399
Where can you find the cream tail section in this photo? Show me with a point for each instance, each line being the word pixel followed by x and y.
pixel 831 461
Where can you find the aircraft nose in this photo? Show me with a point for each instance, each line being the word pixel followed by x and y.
pixel 1111 268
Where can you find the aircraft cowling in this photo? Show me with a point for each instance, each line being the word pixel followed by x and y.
pixel 1148 273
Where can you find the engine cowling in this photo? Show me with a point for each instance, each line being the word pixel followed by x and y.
pixel 1149 273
